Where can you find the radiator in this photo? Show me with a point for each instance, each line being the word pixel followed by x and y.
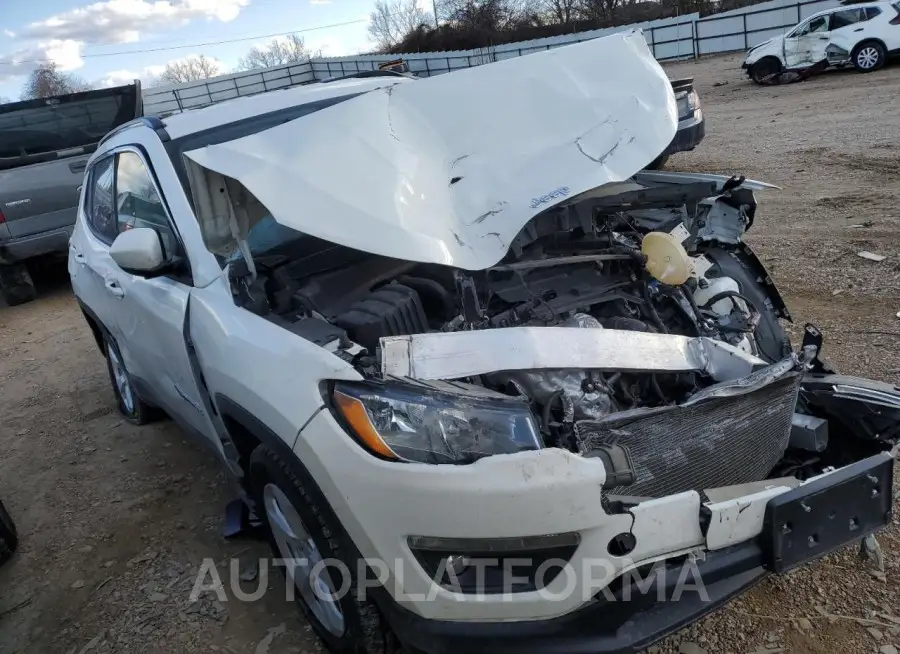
pixel 718 441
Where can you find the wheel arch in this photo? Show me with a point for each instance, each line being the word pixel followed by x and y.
pixel 96 326
pixel 247 432
pixel 762 61
pixel 871 39
pixel 769 57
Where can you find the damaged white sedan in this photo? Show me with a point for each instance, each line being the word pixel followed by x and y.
pixel 449 328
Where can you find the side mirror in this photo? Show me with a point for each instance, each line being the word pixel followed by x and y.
pixel 139 251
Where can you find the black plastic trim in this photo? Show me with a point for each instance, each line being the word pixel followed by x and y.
pixel 94 323
pixel 153 122
pixel 823 515
pixel 261 431
pixel 603 626
pixel 765 279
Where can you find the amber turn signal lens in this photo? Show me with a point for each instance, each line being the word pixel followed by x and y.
pixel 355 414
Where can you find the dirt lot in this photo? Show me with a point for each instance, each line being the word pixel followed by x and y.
pixel 116 520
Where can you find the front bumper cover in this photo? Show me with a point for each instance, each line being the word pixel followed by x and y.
pixel 641 607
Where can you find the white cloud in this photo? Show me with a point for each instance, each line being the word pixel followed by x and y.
pixel 66 54
pixel 122 21
pixel 320 2
pixel 9 33
pixel 123 76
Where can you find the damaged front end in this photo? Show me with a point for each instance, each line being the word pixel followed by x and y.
pixel 504 298
pixel 630 323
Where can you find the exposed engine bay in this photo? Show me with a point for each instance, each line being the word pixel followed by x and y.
pixel 654 256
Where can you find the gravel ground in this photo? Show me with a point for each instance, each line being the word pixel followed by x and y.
pixel 115 521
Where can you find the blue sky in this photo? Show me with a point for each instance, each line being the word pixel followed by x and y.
pixel 73 33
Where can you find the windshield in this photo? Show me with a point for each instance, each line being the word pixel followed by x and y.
pixel 265 236
pixel 35 128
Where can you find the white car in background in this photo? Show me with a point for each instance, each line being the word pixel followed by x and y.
pixel 863 35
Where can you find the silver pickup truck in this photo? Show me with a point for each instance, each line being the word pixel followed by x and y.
pixel 44 147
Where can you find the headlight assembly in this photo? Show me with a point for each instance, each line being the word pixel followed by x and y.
pixel 412 423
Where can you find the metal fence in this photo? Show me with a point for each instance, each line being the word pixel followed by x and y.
pixel 741 29
pixel 162 101
pixel 670 38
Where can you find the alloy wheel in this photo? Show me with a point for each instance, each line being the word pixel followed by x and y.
pixel 301 556
pixel 120 376
pixel 868 57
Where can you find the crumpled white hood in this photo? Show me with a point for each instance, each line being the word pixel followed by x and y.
pixel 449 169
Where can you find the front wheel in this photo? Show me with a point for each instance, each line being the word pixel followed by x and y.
pixel 764 68
pixel 318 557
pixel 868 56
pixel 130 405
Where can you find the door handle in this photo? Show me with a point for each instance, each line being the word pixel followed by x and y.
pixel 113 288
pixel 76 254
pixel 858 29
pixel 824 38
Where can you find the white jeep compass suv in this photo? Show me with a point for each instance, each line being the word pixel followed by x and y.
pixel 475 371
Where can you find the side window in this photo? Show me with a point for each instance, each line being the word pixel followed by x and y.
pixel 873 12
pixel 99 201
pixel 818 24
pixel 846 17
pixel 137 201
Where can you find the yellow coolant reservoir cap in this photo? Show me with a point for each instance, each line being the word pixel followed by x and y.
pixel 666 259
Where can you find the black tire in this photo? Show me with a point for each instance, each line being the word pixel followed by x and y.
pixel 9 539
pixel 16 285
pixel 365 631
pixel 659 163
pixel 763 68
pixel 137 412
pixel 868 56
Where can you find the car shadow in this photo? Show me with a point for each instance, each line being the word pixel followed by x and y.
pixel 51 276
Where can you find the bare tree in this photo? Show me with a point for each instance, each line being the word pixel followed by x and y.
pixel 561 11
pixel 394 19
pixel 597 10
pixel 484 16
pixel 47 80
pixel 190 69
pixel 290 49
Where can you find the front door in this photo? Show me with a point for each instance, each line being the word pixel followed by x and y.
pixel 90 265
pixel 150 323
pixel 806 45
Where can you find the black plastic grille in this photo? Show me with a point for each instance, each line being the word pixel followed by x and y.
pixel 715 442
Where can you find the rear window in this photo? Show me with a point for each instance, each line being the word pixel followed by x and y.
pixel 68 125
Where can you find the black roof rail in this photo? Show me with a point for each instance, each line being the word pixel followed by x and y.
pixel 153 122
pixel 368 73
